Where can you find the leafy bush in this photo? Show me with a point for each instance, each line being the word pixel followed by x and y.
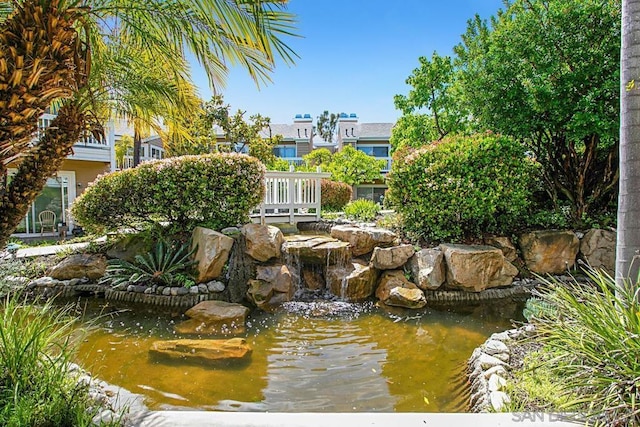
pixel 167 265
pixel 591 347
pixel 354 166
pixel 549 218
pixel 36 346
pixel 461 186
pixel 335 195
pixel 214 190
pixel 362 210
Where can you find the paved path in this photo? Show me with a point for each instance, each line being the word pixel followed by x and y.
pixel 255 419
pixel 48 250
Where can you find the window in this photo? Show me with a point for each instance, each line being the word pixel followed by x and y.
pixel 56 196
pixel 42 125
pixel 375 151
pixel 156 153
pixel 371 193
pixel 284 151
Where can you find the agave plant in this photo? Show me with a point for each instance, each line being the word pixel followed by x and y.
pixel 166 264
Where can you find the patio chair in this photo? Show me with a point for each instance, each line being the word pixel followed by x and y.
pixel 47 221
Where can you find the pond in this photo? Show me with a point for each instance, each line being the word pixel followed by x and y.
pixel 307 357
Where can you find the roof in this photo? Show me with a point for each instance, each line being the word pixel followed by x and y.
pixel 374 130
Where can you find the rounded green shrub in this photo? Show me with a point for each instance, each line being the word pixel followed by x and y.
pixel 335 195
pixel 213 190
pixel 462 186
pixel 362 210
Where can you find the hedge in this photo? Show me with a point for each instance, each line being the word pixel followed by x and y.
pixel 335 195
pixel 462 186
pixel 213 190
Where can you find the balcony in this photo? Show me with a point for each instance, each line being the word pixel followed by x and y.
pixel 90 149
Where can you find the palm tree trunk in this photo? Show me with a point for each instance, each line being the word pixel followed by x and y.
pixel 40 164
pixel 628 243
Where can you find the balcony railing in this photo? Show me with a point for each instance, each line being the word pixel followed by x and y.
pixel 296 161
pixel 127 162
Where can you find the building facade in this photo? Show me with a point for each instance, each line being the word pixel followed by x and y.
pixel 89 159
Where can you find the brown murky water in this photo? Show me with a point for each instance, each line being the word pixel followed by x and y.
pixel 311 357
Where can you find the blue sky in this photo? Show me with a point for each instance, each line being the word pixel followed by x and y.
pixel 355 55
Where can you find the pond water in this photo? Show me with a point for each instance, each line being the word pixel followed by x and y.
pixel 307 357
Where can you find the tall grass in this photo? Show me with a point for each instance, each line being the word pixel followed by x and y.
pixel 591 345
pixel 37 343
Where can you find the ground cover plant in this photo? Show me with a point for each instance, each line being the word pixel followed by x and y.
pixel 587 357
pixel 362 210
pixel 37 344
pixel 168 264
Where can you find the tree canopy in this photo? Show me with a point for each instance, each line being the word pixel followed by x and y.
pixel 354 167
pixel 544 72
pixel 54 51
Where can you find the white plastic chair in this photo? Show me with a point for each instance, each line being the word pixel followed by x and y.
pixel 47 221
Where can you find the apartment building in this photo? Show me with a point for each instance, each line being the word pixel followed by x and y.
pixel 370 138
pixel 89 159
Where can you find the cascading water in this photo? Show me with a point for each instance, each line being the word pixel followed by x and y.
pixel 309 259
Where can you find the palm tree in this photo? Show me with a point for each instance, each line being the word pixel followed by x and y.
pixel 628 244
pixel 58 50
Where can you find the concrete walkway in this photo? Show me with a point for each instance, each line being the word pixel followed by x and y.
pixel 255 419
pixel 35 251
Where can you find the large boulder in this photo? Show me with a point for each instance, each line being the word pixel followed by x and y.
pixel 212 253
pixel 394 289
pixel 598 248
pixel 214 317
pixel 504 244
pixel 321 250
pixel 474 268
pixel 391 258
pixel 202 351
pixel 272 286
pixel 353 282
pixel 363 240
pixel 549 251
pixel 79 266
pixel 263 242
pixel 428 268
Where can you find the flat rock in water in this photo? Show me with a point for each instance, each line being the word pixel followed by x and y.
pixel 202 351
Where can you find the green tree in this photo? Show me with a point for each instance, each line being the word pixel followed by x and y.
pixel 546 73
pixel 627 265
pixel 50 51
pixel 253 135
pixel 320 157
pixel 242 134
pixel 432 108
pixel 354 167
pixel 326 125
pixel 122 147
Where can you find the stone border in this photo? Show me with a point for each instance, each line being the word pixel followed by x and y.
pixel 47 287
pixel 487 370
pixel 518 289
pixel 182 301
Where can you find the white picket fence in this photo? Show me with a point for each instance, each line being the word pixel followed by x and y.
pixel 290 197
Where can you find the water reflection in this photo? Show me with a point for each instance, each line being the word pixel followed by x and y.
pixel 307 357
